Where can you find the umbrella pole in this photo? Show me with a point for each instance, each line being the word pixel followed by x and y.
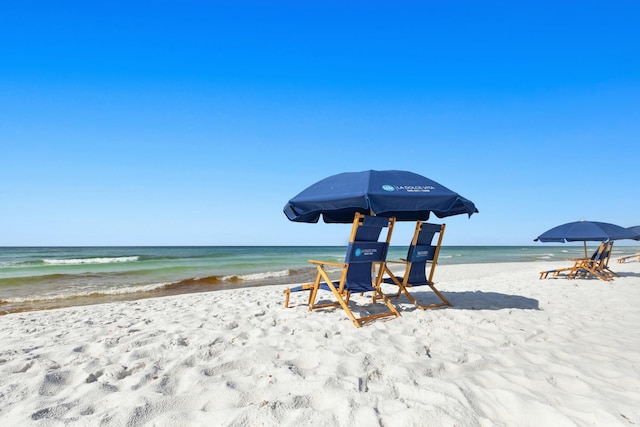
pixel 585 249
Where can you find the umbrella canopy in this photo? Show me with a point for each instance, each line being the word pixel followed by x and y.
pixel 392 193
pixel 583 231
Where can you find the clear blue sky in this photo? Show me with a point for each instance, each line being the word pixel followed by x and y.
pixel 192 122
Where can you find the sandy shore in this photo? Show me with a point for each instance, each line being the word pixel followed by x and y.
pixel 514 350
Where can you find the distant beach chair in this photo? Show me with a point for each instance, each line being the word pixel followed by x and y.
pixel 554 273
pixel 361 272
pixel 597 265
pixel 422 256
pixel 571 271
pixel 628 257
pixel 605 262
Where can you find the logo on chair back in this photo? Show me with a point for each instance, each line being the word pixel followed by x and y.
pixel 365 251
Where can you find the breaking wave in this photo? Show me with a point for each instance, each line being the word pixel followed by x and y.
pixel 191 284
pixel 101 260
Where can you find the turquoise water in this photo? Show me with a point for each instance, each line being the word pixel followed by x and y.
pixel 46 277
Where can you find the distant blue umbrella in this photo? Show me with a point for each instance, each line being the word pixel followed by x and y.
pixel 406 196
pixel 583 231
pixel 636 230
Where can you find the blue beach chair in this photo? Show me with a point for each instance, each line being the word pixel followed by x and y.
pixel 421 257
pixel 597 265
pixel 571 271
pixel 361 271
pixel 554 273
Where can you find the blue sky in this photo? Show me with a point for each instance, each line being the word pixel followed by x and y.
pixel 192 122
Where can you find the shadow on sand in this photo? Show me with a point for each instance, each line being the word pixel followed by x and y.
pixel 626 274
pixel 471 300
pixel 479 300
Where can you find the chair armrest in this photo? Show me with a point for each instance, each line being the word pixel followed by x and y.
pixel 335 264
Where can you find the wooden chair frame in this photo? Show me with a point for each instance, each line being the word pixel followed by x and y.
pixel 597 265
pixel 628 257
pixel 340 288
pixel 403 282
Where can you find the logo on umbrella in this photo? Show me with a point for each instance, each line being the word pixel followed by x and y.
pixel 409 188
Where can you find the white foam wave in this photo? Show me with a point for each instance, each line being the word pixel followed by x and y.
pixel 87 293
pixel 258 276
pixel 103 260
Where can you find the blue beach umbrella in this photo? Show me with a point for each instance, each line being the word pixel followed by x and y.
pixel 391 193
pixel 584 231
pixel 636 230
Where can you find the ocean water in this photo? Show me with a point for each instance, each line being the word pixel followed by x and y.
pixel 34 278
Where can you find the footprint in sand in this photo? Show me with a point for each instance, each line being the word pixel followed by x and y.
pixel 53 383
pixel 25 368
pixel 126 372
pixel 53 412
pixel 93 377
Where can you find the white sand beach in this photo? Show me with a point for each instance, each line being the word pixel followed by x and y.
pixel 512 351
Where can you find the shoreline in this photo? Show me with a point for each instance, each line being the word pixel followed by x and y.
pixel 183 287
pixel 203 285
pixel 47 278
pixel 513 350
pixel 90 300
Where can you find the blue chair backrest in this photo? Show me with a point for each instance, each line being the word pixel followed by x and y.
pixel 601 253
pixel 605 253
pixel 422 252
pixel 370 229
pixel 360 257
pixel 425 237
pixel 418 257
pixel 363 252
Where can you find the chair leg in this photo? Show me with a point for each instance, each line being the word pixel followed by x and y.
pixel 442 297
pixel 287 292
pixel 312 296
pixel 344 305
pixel 391 307
pixel 314 291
